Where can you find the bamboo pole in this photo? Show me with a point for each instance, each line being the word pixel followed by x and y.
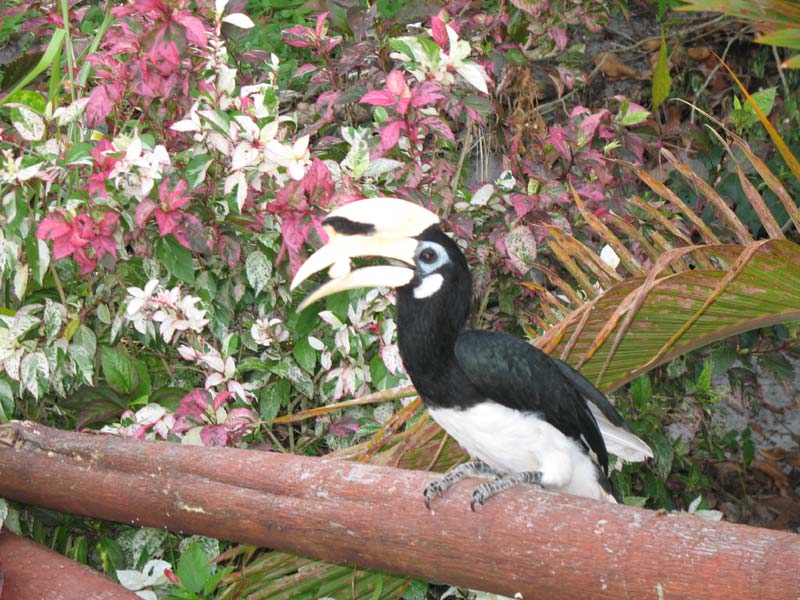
pixel 525 541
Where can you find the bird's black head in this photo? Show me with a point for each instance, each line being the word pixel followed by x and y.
pixel 440 271
pixel 433 308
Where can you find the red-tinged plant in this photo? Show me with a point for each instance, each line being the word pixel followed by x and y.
pixel 401 97
pixel 584 154
pixel 316 38
pixel 145 57
pixel 203 412
pixel 86 240
pixel 297 205
pixel 170 217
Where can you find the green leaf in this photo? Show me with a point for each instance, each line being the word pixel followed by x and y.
pixel 195 171
pixel 417 590
pixel 305 355
pixel 402 47
pixel 288 369
pixel 663 454
pixel 79 154
pixel 82 351
pixel 38 254
pixel 53 50
pixel 703 382
pixel 79 549
pixel 118 370
pixel 258 269
pixel 779 368
pixel 143 386
pixel 111 555
pixel 176 258
pixel 748 447
pixel 28 98
pixel 28 123
pixel 193 569
pixel 641 390
pixel 639 501
pixel 274 396
pixel 662 81
pixel 95 405
pixel 53 315
pixel 376 594
pixel 35 373
pixel 6 402
pixel 680 311
pixel 722 358
pixel 168 397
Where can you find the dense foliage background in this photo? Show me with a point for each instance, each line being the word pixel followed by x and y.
pixel 165 166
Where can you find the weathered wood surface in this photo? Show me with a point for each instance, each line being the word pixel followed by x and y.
pixel 527 541
pixel 33 572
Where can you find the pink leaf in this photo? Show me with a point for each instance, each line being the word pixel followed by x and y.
pixel 344 426
pixel 426 93
pixel 143 211
pixel 559 37
pixel 196 32
pixel 390 133
pixel 229 250
pixel 558 139
pixel 396 84
pixel 299 36
pixel 214 436
pixel 378 98
pixel 53 226
pixel 436 125
pixel 321 29
pixel 306 68
pixel 220 399
pixel 439 31
pixel 240 417
pixel 194 404
pixel 99 105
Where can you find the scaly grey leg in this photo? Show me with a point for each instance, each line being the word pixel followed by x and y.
pixel 486 490
pixel 475 468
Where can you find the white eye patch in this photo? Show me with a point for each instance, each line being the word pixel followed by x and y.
pixel 428 286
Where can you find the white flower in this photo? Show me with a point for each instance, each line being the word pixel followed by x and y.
pixel 608 256
pixel 239 20
pixel 265 332
pixel 293 157
pixel 139 297
pixel 178 314
pixel 137 173
pixel 151 574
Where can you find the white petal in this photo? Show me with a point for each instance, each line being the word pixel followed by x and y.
pixel 474 74
pixel 239 20
pixel 608 256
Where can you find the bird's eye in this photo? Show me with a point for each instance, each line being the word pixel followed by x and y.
pixel 428 256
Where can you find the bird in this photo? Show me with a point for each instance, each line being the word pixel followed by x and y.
pixel 522 416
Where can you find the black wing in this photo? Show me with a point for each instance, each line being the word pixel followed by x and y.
pixel 515 374
pixel 591 394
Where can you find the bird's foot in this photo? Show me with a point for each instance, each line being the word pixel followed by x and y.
pixel 474 468
pixel 486 490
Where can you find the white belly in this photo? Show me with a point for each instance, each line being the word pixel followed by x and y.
pixel 513 442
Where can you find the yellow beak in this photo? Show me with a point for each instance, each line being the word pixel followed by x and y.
pixel 385 227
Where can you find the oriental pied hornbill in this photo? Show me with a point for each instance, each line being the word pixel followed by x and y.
pixel 522 416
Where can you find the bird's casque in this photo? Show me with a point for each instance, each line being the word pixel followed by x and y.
pixel 522 416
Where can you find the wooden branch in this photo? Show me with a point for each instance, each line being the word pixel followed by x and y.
pixel 33 572
pixel 527 541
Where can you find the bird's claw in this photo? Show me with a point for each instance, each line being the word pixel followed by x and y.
pixel 432 490
pixel 479 496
